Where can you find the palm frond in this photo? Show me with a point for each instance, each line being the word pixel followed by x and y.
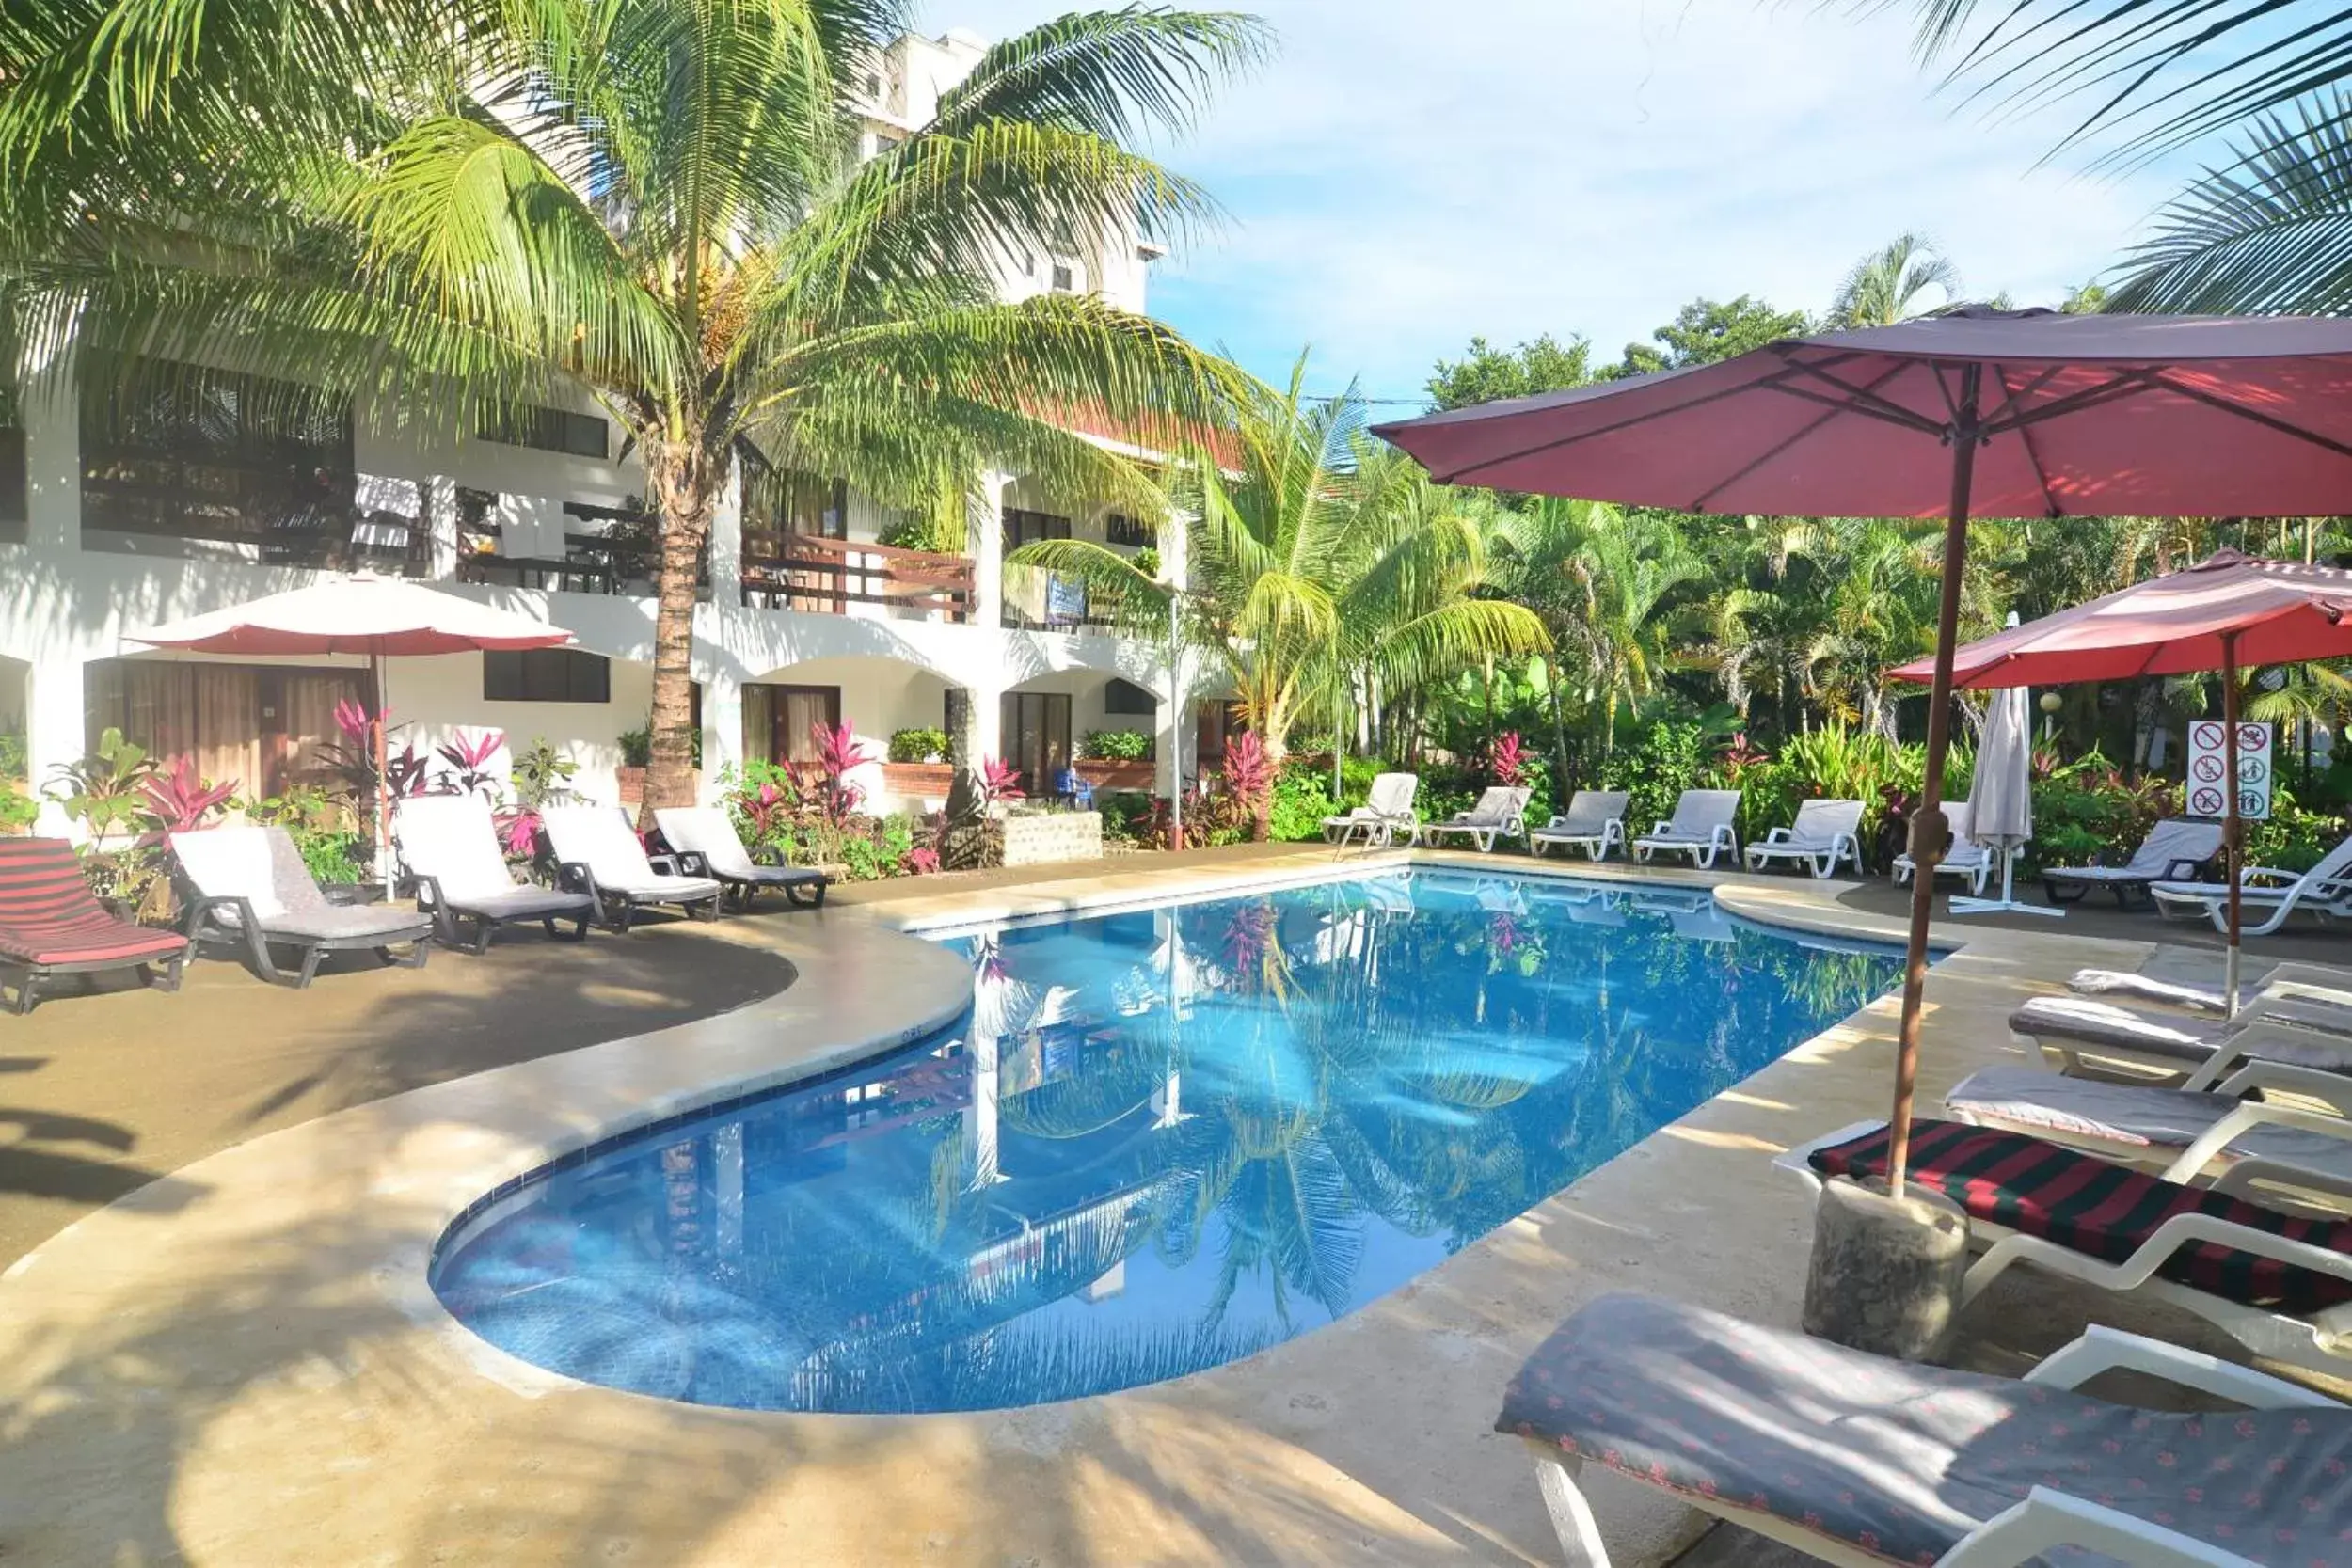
pixel 1117 74
pixel 2271 230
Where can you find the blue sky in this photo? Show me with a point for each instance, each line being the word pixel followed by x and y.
pixel 1394 184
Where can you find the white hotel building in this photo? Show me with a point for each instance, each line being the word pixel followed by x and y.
pixel 116 518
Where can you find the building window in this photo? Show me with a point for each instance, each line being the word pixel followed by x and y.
pixel 1035 737
pixel 873 87
pixel 1119 529
pixel 1027 527
pixel 549 430
pixel 1126 697
pixel 780 721
pixel 546 675
pixel 1065 278
pixel 176 452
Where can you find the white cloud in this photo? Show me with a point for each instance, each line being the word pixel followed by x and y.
pixel 1405 174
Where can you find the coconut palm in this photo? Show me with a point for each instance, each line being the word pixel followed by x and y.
pixel 1886 287
pixel 448 207
pixel 1879 577
pixel 1312 553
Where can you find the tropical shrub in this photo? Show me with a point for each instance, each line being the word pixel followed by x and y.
pixel 1116 746
pixel 637 746
pixel 176 800
pixel 320 825
pixel 1000 781
pixel 1302 798
pixel 19 809
pixel 918 745
pixel 1127 816
pixel 470 757
pixel 105 791
pixel 1250 779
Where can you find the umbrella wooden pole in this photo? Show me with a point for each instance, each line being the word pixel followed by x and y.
pixel 1930 836
pixel 2232 826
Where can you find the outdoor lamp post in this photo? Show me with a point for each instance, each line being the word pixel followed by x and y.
pixel 2050 703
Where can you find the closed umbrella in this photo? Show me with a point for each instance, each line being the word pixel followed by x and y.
pixel 2000 798
pixel 2222 613
pixel 380 617
pixel 1977 413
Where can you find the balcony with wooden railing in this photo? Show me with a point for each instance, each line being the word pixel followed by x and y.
pixel 811 571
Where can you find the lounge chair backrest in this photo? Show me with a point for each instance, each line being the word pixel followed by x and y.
pixel 1392 794
pixel 257 864
pixel 599 838
pixel 2173 840
pixel 452 839
pixel 1820 821
pixel 1496 805
pixel 42 888
pixel 1699 811
pixel 706 831
pixel 1594 809
pixel 2334 867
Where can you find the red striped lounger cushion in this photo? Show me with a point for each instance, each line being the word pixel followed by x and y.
pixel 48 914
pixel 2100 1210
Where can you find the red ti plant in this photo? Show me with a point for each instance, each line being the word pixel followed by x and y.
pixel 999 781
pixel 469 754
pixel 1507 762
pixel 179 801
pixel 519 831
pixel 922 861
pixel 837 753
pixel 1250 779
pixel 767 808
pixel 1740 755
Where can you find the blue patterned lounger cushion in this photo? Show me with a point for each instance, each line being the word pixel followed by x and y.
pixel 1901 1461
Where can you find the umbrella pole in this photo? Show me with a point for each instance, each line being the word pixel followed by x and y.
pixel 2232 826
pixel 1930 834
pixel 383 804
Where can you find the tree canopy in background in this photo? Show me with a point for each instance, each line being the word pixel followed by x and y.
pixel 1486 372
pixel 1707 330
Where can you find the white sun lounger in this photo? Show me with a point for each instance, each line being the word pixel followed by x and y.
pixel 2172 850
pixel 1859 1461
pixel 1966 858
pixel 1700 828
pixel 250 888
pixel 2312 982
pixel 1595 823
pixel 451 846
pixel 1387 810
pixel 2268 893
pixel 1501 812
pixel 2305 1033
pixel 2319 1337
pixel 1824 833
pixel 708 846
pixel 597 853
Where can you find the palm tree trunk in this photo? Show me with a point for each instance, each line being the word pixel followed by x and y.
pixel 681 480
pixel 1559 741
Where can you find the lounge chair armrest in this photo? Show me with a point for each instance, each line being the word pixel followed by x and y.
pixel 428 892
pixel 1780 835
pixel 2182 1230
pixel 665 864
pixel 2181 870
pixel 2021 1532
pixel 691 862
pixel 1661 831
pixel 203 909
pixel 575 877
pixel 2102 1349
pixel 2261 876
pixel 2307 990
pixel 2248 1115
pixel 2330 1088
pixel 2246 1042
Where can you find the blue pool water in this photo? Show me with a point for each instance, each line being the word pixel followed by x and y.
pixel 1161 1140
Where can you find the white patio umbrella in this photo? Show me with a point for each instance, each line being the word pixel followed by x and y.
pixel 2000 798
pixel 380 617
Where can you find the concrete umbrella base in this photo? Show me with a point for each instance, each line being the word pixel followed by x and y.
pixel 1886 1273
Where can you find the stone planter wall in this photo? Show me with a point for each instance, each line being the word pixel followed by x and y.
pixel 1045 837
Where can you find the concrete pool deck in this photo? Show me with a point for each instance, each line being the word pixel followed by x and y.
pixel 242 1364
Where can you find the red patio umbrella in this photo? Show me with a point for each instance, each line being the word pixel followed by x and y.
pixel 380 617
pixel 2223 613
pixel 1974 414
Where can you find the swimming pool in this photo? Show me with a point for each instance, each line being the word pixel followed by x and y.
pixel 1163 1139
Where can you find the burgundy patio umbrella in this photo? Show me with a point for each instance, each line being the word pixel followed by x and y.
pixel 380 617
pixel 1974 414
pixel 2222 613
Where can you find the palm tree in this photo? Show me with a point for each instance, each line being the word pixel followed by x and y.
pixel 1313 554
pixel 1884 286
pixel 1880 578
pixel 442 209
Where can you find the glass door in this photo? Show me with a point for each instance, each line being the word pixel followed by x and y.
pixel 1036 737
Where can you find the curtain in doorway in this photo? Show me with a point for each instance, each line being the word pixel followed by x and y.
pixel 307 716
pixel 212 713
pixel 798 710
pixel 759 725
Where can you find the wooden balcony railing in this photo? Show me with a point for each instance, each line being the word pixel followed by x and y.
pixel 807 571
